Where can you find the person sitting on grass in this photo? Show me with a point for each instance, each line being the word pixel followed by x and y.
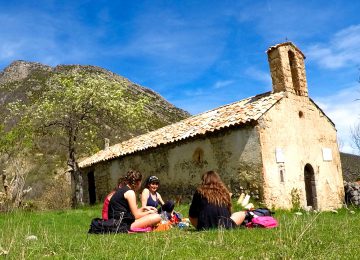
pixel 211 205
pixel 150 197
pixel 123 204
pixel 105 208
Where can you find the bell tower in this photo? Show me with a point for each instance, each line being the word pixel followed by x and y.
pixel 287 69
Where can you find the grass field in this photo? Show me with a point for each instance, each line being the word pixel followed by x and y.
pixel 63 235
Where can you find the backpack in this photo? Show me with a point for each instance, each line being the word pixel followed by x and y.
pixel 260 217
pixel 263 222
pixel 101 226
pixel 262 212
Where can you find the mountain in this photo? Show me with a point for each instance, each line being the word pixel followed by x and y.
pixel 22 79
pixel 26 81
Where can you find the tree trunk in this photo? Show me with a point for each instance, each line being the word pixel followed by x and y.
pixel 76 183
pixel 76 177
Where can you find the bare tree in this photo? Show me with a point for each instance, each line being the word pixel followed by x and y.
pixel 355 131
pixel 355 134
pixel 340 142
pixel 13 183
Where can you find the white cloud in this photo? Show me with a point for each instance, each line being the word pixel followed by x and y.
pixel 175 48
pixel 223 83
pixel 9 50
pixel 195 92
pixel 342 50
pixel 344 111
pixel 258 75
pixel 39 36
pixel 291 24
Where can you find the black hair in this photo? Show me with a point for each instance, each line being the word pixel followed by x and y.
pixel 151 179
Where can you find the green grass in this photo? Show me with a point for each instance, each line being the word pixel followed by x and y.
pixel 63 235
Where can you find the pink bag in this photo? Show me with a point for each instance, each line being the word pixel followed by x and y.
pixel 263 222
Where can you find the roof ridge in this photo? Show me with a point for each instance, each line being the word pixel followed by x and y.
pixel 232 103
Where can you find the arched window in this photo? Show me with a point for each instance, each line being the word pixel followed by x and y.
pixel 198 155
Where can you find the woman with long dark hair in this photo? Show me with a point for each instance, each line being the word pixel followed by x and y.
pixel 123 204
pixel 211 205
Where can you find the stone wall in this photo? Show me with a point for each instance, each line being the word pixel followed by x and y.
pixel 234 153
pixel 299 131
pixel 352 193
pixel 102 182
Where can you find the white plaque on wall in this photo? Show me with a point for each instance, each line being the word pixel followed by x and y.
pixel 327 155
pixel 279 155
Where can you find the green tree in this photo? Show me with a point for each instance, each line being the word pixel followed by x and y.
pixel 72 110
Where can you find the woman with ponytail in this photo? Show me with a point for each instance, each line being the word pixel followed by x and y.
pixel 123 204
pixel 211 205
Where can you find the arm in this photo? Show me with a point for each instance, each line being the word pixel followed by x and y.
pixel 144 197
pixel 137 212
pixel 160 199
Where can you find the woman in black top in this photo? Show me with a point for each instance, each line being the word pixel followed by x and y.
pixel 123 204
pixel 211 205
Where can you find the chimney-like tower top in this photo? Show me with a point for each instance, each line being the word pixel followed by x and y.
pixel 287 69
pixel 286 44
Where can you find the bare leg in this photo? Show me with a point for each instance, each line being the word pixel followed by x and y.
pixel 146 221
pixel 238 217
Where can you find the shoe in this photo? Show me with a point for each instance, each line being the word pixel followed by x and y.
pixel 245 201
pixel 241 198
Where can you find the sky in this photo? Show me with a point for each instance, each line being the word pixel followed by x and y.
pixel 198 55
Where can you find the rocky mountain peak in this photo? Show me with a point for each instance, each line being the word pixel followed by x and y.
pixel 20 69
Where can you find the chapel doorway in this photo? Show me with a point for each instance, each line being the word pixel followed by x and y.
pixel 310 186
pixel 92 188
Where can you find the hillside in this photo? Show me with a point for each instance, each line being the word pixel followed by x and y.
pixel 22 79
pixel 26 81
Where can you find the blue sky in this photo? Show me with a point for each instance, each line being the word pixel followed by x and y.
pixel 197 54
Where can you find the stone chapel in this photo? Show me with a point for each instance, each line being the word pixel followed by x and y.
pixel 276 146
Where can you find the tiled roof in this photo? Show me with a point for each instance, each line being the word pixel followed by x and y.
pixel 241 112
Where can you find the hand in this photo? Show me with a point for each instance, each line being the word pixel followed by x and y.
pixel 150 211
pixel 150 208
pixel 153 211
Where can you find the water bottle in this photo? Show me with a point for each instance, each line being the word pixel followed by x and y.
pixel 164 218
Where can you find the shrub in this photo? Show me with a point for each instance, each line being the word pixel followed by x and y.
pixel 295 199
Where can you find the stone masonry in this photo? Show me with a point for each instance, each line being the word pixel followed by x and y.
pixel 352 193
